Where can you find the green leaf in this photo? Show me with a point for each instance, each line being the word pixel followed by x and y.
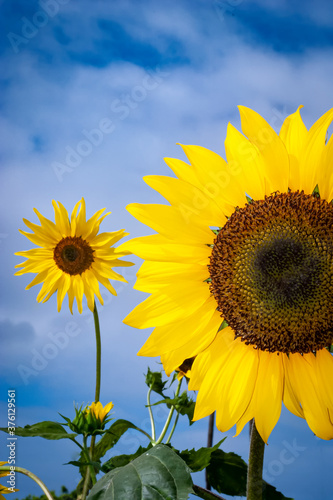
pixel 158 474
pixel 198 459
pixel 80 464
pixel 112 436
pixel 269 492
pixel 46 430
pixel 121 460
pixel 155 382
pixel 183 405
pixel 227 473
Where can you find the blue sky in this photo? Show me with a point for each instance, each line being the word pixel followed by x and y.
pixel 93 95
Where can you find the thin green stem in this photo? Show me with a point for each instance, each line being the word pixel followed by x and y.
pixel 151 416
pixel 172 429
pixel 256 462
pixel 210 437
pixel 90 473
pixel 90 470
pixel 32 476
pixel 171 412
pixel 98 355
pixel 205 494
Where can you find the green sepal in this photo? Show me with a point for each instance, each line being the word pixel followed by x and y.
pixel 154 382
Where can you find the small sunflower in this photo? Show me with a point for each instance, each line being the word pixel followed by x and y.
pixel 73 258
pixel 98 411
pixel 241 274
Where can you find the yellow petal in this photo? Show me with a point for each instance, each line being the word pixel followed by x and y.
pixel 167 306
pixel 324 365
pixel 237 382
pixel 159 248
pixel 63 286
pixel 268 392
pixel 216 177
pixel 293 134
pixel 48 226
pixel 154 275
pixel 61 218
pixel 325 172
pixel 290 399
pixel 303 376
pixel 92 225
pixel 41 240
pixel 173 359
pixel 272 149
pixel 184 171
pixel 246 162
pixel 206 369
pixel 78 289
pixel 170 222
pixel 311 160
pixel 172 336
pixel 193 204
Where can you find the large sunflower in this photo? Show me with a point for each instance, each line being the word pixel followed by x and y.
pixel 241 274
pixel 73 258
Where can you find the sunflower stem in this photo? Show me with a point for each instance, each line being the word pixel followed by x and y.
pixel 256 462
pixel 172 429
pixel 98 355
pixel 168 420
pixel 90 473
pixel 90 470
pixel 32 476
pixel 210 443
pixel 151 416
pixel 205 494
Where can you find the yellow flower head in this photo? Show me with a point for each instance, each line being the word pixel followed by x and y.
pixel 241 274
pixel 73 258
pixel 97 411
pixel 90 419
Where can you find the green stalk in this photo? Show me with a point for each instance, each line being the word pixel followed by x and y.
pixel 98 355
pixel 205 494
pixel 256 462
pixel 90 472
pixel 210 437
pixel 171 412
pixel 172 429
pixel 32 476
pixel 151 416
